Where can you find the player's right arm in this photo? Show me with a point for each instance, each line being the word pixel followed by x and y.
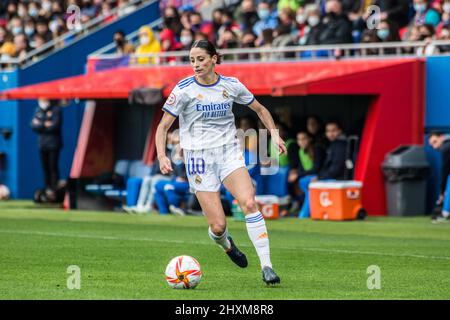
pixel 172 108
pixel 165 164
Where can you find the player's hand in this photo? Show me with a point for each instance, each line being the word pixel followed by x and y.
pixel 165 165
pixel 281 145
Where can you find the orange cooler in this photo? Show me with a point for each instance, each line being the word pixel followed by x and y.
pixel 269 206
pixel 335 200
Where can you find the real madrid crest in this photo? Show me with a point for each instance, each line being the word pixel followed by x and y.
pixel 198 179
pixel 225 94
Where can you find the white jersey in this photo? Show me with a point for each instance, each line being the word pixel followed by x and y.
pixel 205 111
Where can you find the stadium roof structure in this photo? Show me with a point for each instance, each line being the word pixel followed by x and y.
pixel 395 115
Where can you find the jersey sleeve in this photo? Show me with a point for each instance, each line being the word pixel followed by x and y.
pixel 243 95
pixel 175 102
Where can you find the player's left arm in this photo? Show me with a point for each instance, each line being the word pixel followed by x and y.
pixel 268 122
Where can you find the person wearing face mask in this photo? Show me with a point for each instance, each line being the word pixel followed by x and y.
pixel 186 39
pixel 122 45
pixel 424 14
pixel 266 19
pixel 313 26
pixel 337 28
pixel 147 44
pixel 46 122
pixel 387 32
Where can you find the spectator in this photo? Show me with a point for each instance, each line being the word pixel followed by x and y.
pixel 38 42
pixel 169 43
pixel 427 35
pixel 445 35
pixel 333 167
pixel 29 27
pixel 439 141
pixel 16 26
pixel 424 14
pixel 314 127
pixel 394 10
pixel 337 27
pixel 122 45
pixel 267 21
pixel 46 122
pixel 247 15
pixel 313 28
pixel 186 39
pixel 200 36
pixel 125 8
pixel 172 20
pixel 147 45
pixel 387 32
pixel 266 43
pixel 197 24
pixel 21 45
pixel 229 24
pixel 217 22
pixel 370 36
pixel 248 41
pixel 43 30
pixel 307 158
pixel 283 38
pixel 291 4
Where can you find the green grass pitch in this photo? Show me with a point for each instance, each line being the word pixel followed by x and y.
pixel 124 257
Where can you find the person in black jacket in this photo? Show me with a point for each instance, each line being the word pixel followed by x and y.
pixel 46 123
pixel 337 28
pixel 439 141
pixel 333 167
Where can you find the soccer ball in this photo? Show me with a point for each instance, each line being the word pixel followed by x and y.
pixel 183 272
pixel 4 192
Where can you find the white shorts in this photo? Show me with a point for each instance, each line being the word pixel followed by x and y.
pixel 206 169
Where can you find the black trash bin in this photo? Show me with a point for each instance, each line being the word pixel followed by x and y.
pixel 405 171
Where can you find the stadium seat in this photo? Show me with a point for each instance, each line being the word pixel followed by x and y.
pixel 121 168
pixel 138 171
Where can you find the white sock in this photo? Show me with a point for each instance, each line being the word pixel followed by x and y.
pixel 257 232
pixel 445 214
pixel 221 240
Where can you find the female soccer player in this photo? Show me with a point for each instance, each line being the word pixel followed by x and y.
pixel 212 152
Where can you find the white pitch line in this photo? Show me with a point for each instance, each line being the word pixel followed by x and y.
pixel 89 236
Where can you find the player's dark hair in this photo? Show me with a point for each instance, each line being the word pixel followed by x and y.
pixel 436 133
pixel 208 47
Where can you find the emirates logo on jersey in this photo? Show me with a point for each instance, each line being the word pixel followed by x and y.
pixel 225 94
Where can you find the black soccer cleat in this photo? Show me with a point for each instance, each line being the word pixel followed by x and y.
pixel 236 255
pixel 269 276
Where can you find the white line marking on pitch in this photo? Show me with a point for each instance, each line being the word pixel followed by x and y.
pixel 88 236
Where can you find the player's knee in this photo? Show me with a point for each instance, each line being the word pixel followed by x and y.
pixel 249 205
pixel 218 228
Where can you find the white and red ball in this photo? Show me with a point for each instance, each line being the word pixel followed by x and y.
pixel 4 192
pixel 183 272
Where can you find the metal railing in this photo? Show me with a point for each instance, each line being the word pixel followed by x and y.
pixel 70 37
pixel 340 51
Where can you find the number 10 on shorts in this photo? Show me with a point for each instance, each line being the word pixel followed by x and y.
pixel 195 166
